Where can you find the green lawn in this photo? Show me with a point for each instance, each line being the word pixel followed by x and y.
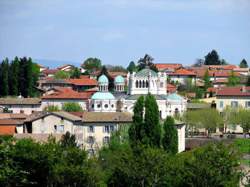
pixel 243 145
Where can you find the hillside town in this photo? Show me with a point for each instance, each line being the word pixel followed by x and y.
pixel 122 93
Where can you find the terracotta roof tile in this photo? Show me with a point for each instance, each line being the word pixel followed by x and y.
pixel 107 117
pixel 183 72
pixel 168 66
pixel 234 91
pixel 83 82
pixel 68 93
pixel 171 88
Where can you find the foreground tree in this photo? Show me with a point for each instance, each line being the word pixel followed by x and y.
pixel 170 137
pixel 75 74
pixel 243 64
pixel 152 126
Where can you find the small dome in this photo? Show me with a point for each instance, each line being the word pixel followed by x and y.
pixel 103 79
pixel 119 79
pixel 175 97
pixel 102 96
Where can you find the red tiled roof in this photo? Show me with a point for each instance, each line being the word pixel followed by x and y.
pixel 68 93
pixel 222 67
pixel 234 91
pixel 167 66
pixel 224 74
pixel 183 72
pixel 83 82
pixel 212 89
pixel 50 71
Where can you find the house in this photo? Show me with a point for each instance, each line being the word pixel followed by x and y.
pixel 233 97
pixel 21 105
pixel 181 76
pixel 8 126
pixel 48 72
pixel 41 67
pixel 66 68
pixel 65 95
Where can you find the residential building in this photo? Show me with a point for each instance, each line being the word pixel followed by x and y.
pixel 21 105
pixel 181 76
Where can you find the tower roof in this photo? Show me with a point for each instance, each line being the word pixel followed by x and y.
pixel 119 79
pixel 102 96
pixel 103 79
pixel 145 73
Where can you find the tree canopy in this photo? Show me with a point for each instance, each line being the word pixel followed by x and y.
pixel 92 64
pixel 72 107
pixel 243 64
pixel 131 67
pixel 233 80
pixel 62 75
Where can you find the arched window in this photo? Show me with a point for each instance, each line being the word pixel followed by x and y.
pixel 139 84
pixel 136 84
pixel 146 84
pixel 143 84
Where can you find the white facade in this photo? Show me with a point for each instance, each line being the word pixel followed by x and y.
pixel 147 81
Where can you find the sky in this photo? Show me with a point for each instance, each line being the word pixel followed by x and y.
pixel 120 31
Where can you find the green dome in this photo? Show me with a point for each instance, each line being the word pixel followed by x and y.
pixel 102 96
pixel 103 79
pixel 175 97
pixel 119 79
pixel 145 73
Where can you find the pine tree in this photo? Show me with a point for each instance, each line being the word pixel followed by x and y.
pixel 243 64
pixel 131 67
pixel 4 84
pixel 135 130
pixel 212 58
pixel 152 125
pixel 13 77
pixel 170 138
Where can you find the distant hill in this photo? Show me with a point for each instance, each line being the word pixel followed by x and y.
pixel 55 63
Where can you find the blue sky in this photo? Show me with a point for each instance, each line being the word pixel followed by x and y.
pixel 118 31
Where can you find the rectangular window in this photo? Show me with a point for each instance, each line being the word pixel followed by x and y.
pixel 105 140
pixel 91 140
pixel 234 104
pixel 91 128
pixel 60 128
pixel 221 104
pixel 106 129
pixel 247 104
pixel 112 128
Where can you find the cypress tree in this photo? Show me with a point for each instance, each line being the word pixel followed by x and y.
pixel 13 77
pixel 152 125
pixel 21 77
pixel 170 138
pixel 35 74
pixel 135 130
pixel 4 84
pixel 29 78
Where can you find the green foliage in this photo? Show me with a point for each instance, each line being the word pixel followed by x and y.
pixel 170 137
pixel 4 71
pixel 212 165
pixel 131 67
pixel 242 117
pixel 151 119
pixel 62 75
pixel 243 145
pixel 248 81
pixel 72 107
pixel 199 93
pixel 233 80
pixel 243 64
pixel 206 79
pixel 52 108
pixel 75 74
pixel 68 140
pixel 117 69
pixel 13 77
pixel 209 119
pixel 212 58
pixel 92 64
